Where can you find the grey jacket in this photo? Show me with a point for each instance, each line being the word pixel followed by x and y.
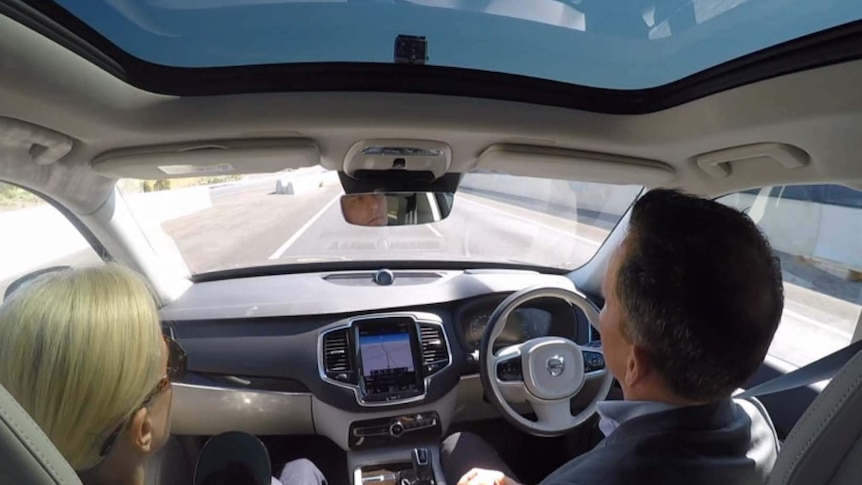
pixel 728 442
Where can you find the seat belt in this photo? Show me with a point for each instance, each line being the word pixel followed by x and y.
pixel 816 371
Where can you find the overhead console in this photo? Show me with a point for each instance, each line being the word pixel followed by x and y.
pixel 385 359
pixel 394 165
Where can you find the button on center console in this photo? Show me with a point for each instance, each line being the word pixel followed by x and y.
pixel 374 432
pixel 396 429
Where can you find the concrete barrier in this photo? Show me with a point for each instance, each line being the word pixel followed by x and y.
pixel 296 186
pixel 557 197
pixel 822 232
pixel 304 180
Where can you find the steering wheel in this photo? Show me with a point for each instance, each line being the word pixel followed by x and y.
pixel 546 372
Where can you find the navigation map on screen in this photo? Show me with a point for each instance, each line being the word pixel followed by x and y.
pixel 386 354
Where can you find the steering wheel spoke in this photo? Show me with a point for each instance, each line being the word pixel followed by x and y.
pixel 595 367
pixel 509 374
pixel 514 392
pixel 552 414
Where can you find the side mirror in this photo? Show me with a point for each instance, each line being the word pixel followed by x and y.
pixel 396 208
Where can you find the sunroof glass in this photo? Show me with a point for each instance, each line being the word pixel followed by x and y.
pixel 597 43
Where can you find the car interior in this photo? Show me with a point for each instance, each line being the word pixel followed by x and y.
pixel 510 143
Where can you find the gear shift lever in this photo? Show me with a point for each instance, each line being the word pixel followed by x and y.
pixel 421 458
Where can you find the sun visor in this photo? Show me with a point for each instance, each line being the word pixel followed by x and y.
pixel 560 163
pixel 198 159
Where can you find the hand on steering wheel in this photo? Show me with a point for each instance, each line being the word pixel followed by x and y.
pixel 546 372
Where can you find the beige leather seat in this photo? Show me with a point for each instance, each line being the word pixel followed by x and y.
pixel 825 445
pixel 27 456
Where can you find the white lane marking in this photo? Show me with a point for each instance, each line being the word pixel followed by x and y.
pixel 284 247
pixel 524 219
pixel 789 366
pixel 810 321
pixel 435 231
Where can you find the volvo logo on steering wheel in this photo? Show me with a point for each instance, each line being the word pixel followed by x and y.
pixel 556 365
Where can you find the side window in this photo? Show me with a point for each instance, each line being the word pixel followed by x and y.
pixel 816 231
pixel 36 236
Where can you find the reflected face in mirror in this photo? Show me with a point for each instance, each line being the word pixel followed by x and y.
pixel 375 209
pixel 365 209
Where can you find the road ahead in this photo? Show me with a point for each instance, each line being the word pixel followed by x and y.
pixel 250 224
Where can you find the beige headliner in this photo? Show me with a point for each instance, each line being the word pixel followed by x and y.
pixel 42 83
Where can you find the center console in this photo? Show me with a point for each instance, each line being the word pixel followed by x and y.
pixel 416 466
pixel 404 430
pixel 388 359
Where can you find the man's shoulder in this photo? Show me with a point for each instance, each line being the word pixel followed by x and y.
pixel 606 464
pixel 671 447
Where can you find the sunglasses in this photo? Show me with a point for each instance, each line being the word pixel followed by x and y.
pixel 176 371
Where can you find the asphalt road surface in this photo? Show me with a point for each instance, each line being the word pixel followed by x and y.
pixel 248 224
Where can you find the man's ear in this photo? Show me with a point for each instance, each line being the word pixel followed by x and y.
pixel 638 367
pixel 141 431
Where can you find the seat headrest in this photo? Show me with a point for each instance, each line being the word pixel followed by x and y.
pixel 825 446
pixel 28 456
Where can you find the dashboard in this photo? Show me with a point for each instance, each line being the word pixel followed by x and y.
pixel 333 353
pixel 523 324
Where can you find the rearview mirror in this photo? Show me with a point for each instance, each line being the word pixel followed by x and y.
pixel 396 208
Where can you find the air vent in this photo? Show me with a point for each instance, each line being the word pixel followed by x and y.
pixel 400 278
pixel 336 355
pixel 435 354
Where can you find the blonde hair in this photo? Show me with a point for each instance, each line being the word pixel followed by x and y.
pixel 81 350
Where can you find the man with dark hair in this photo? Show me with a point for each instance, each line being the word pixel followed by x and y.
pixel 693 297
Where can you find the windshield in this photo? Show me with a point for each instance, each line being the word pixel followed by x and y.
pixel 294 216
pixel 600 43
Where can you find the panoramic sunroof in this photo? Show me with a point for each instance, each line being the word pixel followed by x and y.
pixel 631 44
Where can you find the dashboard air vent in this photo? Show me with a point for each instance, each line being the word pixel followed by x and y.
pixel 371 278
pixel 435 354
pixel 336 354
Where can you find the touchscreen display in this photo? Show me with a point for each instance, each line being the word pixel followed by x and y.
pixel 387 362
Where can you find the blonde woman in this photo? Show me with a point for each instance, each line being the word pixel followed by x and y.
pixel 84 354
